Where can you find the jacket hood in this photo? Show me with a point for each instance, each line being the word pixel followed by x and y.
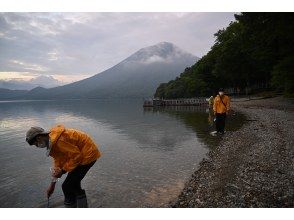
pixel 55 133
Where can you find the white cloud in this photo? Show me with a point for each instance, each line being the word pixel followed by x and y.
pixel 53 55
pixel 29 66
pixel 155 59
pixel 16 75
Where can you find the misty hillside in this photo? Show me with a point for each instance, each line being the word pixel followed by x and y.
pixel 18 84
pixel 11 94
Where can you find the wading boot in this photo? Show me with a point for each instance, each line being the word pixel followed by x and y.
pixel 82 200
pixel 70 203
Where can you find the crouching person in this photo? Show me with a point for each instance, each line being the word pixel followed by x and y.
pixel 74 152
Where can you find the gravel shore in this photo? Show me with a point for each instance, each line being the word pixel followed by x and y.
pixel 252 167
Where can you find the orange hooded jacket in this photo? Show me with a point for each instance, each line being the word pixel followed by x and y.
pixel 219 107
pixel 70 148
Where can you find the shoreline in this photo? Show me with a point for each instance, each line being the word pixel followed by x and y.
pixel 251 167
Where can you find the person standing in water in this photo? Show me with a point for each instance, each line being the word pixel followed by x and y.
pixel 74 152
pixel 221 108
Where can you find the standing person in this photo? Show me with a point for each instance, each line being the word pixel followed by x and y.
pixel 74 152
pixel 221 108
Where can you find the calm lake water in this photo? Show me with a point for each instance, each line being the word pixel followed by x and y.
pixel 147 155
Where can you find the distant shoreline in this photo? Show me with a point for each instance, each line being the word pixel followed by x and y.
pixel 252 167
pixel 76 99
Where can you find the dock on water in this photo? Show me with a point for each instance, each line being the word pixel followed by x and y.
pixel 198 101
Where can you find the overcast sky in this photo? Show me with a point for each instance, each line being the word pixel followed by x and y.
pixel 72 46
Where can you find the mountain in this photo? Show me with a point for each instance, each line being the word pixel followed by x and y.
pixel 45 81
pixel 42 81
pixel 137 76
pixel 11 94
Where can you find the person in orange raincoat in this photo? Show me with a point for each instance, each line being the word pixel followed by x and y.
pixel 74 152
pixel 221 108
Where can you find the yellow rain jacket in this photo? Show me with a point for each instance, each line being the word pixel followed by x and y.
pixel 70 148
pixel 219 107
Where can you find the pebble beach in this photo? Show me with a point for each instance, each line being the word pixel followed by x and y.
pixel 251 167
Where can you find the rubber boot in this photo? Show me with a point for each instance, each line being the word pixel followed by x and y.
pixel 82 200
pixel 70 203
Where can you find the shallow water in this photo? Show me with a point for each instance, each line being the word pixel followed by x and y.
pixel 147 154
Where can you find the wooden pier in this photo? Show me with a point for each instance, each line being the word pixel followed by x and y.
pixel 176 102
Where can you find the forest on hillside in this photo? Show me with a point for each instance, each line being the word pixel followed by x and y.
pixel 254 53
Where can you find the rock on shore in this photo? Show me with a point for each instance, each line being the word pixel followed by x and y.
pixel 252 167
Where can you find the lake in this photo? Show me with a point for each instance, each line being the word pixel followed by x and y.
pixel 147 154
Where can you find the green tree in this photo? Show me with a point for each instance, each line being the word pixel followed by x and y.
pixel 283 76
pixel 255 49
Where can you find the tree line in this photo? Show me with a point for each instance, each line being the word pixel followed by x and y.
pixel 254 51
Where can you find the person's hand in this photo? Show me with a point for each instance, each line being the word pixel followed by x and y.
pixel 50 190
pixel 56 172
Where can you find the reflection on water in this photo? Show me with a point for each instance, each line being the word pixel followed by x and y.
pixel 201 120
pixel 147 154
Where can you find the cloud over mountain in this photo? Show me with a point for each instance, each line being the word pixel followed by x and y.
pixel 136 76
pixel 40 81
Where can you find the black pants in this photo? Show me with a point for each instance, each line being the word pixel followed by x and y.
pixel 71 186
pixel 220 122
